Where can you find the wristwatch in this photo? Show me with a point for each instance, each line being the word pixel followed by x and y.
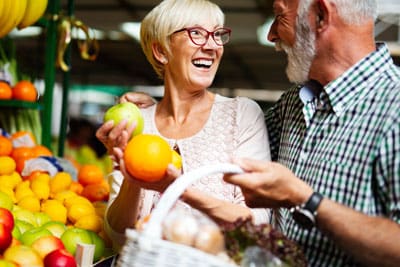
pixel 305 214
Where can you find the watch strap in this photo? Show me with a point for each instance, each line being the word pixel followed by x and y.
pixel 313 202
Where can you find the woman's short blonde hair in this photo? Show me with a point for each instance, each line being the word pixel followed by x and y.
pixel 170 16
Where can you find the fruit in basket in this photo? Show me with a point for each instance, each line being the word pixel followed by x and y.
pixel 147 157
pixel 5 237
pixel 6 202
pixel 24 90
pixel 56 228
pixel 128 111
pixel 23 256
pixel 34 10
pixel 5 263
pixel 59 258
pixel 72 236
pixel 31 235
pixel 5 91
pixel 46 244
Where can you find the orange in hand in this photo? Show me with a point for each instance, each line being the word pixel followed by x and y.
pixel 147 157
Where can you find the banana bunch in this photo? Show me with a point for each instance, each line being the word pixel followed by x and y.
pixel 20 14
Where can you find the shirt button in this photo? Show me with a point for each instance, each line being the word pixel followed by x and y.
pixel 303 155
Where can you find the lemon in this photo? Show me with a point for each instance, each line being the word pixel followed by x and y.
pixel 31 203
pixel 61 181
pixel 76 199
pixel 11 180
pixel 176 160
pixel 7 165
pixel 40 188
pixel 10 192
pixel 91 222
pixel 44 177
pixel 79 210
pixel 23 189
pixel 55 210
pixel 63 195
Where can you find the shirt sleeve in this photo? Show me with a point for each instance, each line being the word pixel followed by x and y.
pixel 253 138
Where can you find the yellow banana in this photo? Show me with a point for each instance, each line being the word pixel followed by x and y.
pixel 34 11
pixel 6 5
pixel 2 4
pixel 14 16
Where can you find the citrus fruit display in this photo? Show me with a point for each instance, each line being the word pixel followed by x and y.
pixel 5 91
pixel 6 146
pixel 147 157
pixel 24 90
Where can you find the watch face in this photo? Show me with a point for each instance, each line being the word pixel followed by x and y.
pixel 304 218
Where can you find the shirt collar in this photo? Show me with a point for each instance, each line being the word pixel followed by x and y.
pixel 343 91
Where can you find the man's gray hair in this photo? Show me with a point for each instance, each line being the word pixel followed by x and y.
pixel 353 12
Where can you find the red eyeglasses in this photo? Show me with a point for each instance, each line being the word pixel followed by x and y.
pixel 199 35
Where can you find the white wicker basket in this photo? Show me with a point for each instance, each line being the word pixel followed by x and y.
pixel 148 249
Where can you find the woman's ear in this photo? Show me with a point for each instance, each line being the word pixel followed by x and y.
pixel 159 53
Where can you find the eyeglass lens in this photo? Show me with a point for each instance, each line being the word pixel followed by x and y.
pixel 200 36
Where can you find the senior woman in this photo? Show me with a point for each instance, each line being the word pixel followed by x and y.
pixel 184 42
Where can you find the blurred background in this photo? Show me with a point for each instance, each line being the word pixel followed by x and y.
pixel 250 65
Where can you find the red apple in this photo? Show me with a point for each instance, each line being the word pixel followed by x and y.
pixel 59 258
pixel 46 244
pixel 6 218
pixel 128 111
pixel 5 238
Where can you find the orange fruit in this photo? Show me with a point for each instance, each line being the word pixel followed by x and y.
pixel 5 91
pixel 22 152
pixel 90 174
pixel 40 150
pixel 20 163
pixel 96 192
pixel 24 90
pixel 6 146
pixel 76 187
pixel 147 157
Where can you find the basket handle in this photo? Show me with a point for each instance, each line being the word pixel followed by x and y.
pixel 153 228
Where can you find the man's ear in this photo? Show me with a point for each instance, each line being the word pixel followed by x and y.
pixel 323 12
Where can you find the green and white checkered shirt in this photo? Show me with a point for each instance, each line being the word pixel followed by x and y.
pixel 348 149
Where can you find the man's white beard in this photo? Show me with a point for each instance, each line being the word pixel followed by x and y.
pixel 301 55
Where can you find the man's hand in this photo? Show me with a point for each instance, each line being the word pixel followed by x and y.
pixel 268 184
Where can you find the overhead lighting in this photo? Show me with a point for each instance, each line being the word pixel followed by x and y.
pixel 132 29
pixel 80 34
pixel 262 32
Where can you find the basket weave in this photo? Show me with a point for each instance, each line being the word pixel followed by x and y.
pixel 148 249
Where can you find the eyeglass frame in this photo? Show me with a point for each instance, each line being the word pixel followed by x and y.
pixel 189 29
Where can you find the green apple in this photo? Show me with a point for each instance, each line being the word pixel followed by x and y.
pixel 6 201
pixel 99 245
pixel 29 236
pixel 128 111
pixel 5 263
pixel 41 218
pixel 16 233
pixel 22 226
pixel 55 227
pixel 24 215
pixel 72 236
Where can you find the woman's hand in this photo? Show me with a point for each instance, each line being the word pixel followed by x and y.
pixel 115 137
pixel 160 186
pixel 142 100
